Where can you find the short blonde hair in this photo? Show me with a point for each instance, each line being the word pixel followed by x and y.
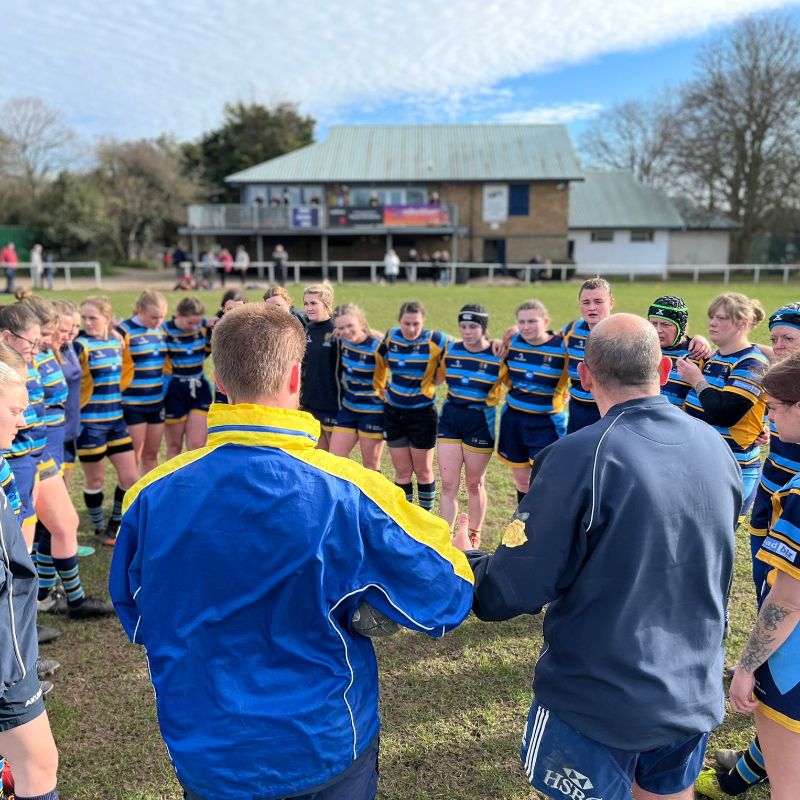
pixel 13 369
pixel 278 291
pixel 352 308
pixel 150 298
pixel 739 307
pixel 595 283
pixel 325 292
pixel 254 346
pixel 533 305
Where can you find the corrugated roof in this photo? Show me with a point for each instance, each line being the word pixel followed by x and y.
pixel 617 200
pixel 425 153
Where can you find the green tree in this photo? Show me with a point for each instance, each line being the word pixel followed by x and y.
pixel 250 133
pixel 72 215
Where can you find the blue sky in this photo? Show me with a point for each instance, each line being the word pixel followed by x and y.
pixel 153 66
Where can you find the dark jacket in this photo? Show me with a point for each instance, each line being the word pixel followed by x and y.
pixel 628 533
pixel 19 585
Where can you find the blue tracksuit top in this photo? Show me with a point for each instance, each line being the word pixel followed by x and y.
pixel 239 566
pixel 628 533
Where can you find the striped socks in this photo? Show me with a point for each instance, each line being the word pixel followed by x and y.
pixel 94 504
pixel 116 510
pixel 749 770
pixel 408 488
pixel 44 562
pixel 426 494
pixel 70 576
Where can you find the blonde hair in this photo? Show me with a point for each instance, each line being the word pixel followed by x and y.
pixel 253 347
pixel 45 311
pixel 103 305
pixel 739 307
pixel 533 305
pixel 325 292
pixel 150 298
pixel 352 308
pixel 595 283
pixel 65 307
pixel 13 369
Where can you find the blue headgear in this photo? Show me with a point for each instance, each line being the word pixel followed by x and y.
pixel 786 315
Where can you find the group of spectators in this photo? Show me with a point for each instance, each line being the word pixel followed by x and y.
pixel 635 450
pixel 41 265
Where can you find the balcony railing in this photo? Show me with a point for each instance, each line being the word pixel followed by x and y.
pixel 309 217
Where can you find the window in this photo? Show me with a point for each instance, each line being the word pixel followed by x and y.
pixel 602 236
pixel 518 200
pixel 641 236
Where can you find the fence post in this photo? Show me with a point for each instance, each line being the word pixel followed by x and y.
pixel 373 273
pixel 67 276
pixel 324 271
pixel 726 275
pixel 296 272
pixel 97 280
pixel 757 274
pixel 491 273
pixel 786 274
pixel 339 272
pixel 696 278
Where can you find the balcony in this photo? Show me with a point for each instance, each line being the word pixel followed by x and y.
pixel 255 218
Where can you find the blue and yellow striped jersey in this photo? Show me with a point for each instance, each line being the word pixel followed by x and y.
pixel 34 414
pixel 472 378
pixel 740 373
pixel 186 351
pixel 101 364
pixel 413 367
pixel 363 376
pixel 537 375
pixel 9 486
pixel 575 334
pixel 676 389
pixel 55 388
pixel 781 465
pixel 143 356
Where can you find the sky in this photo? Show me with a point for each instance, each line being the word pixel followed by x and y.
pixel 141 68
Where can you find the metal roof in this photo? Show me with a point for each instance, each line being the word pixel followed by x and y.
pixel 425 154
pixel 617 200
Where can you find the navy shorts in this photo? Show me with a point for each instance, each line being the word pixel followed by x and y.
pixel 186 395
pixel 370 426
pixel 358 782
pixel 21 702
pixel 581 415
pixel 410 427
pixel 559 760
pixel 100 439
pixel 53 457
pixel 25 471
pixel 327 421
pixel 148 415
pixel 523 436
pixel 70 453
pixel 470 426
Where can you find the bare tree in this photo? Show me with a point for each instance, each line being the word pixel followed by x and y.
pixel 144 190
pixel 636 136
pixel 36 142
pixel 739 122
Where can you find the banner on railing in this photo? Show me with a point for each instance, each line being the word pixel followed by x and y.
pixel 353 216
pixel 421 216
pixel 305 217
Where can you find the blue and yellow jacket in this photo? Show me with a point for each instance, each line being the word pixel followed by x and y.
pixel 243 599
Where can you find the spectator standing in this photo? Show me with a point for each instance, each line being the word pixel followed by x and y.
pixel 225 264
pixel 8 256
pixel 628 682
pixel 280 258
pixel 242 263
pixel 391 266
pixel 37 266
pixel 47 273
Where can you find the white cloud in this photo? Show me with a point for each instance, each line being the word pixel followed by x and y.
pixel 550 115
pixel 146 66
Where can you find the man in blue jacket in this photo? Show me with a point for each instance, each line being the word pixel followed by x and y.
pixel 627 533
pixel 239 567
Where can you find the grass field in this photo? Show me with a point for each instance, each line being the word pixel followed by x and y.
pixel 453 709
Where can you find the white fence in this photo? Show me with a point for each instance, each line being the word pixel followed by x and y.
pixel 297 271
pixel 67 268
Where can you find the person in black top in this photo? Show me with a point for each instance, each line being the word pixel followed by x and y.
pixel 320 388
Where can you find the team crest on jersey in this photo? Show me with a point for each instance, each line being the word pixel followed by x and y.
pixel 580 344
pixel 457 364
pixel 514 534
pixel 519 357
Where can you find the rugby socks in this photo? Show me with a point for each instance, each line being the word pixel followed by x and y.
pixel 749 771
pixel 94 504
pixel 426 493
pixel 408 488
pixel 71 578
pixel 520 495
pixel 44 562
pixel 116 511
